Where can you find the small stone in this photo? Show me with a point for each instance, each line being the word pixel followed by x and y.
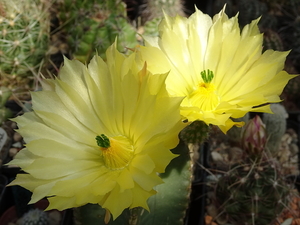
pixel 17 137
pixel 13 125
pixel 17 145
pixel 13 152
pixel 208 219
pixel 216 156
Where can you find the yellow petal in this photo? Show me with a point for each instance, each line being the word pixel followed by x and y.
pixel 56 168
pixel 117 201
pixel 125 180
pixel 52 149
pixel 139 199
pixel 147 182
pixel 61 203
pixel 143 163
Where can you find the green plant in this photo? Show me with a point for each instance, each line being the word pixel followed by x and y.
pixel 275 127
pixel 35 217
pixel 255 190
pixel 92 26
pixel 24 36
pixel 252 192
pixel 5 113
pixel 152 9
pixel 196 133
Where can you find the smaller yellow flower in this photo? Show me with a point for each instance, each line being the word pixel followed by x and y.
pixel 219 69
pixel 98 134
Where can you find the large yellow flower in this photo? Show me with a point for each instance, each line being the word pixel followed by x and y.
pixel 99 134
pixel 220 70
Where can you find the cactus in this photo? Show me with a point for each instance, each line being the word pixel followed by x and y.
pixel 250 10
pixel 255 190
pixel 152 9
pixel 272 40
pixel 196 133
pixel 150 27
pixel 24 35
pixel 151 13
pixel 92 26
pixel 276 127
pixel 218 6
pixel 252 193
pixel 5 113
pixel 35 217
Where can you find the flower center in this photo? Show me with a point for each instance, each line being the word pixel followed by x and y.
pixel 116 152
pixel 205 95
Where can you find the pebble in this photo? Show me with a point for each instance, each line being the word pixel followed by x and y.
pixel 17 137
pixel 13 152
pixel 17 145
pixel 13 125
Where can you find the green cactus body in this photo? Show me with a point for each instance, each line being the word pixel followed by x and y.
pixel 150 27
pixel 218 6
pixel 5 113
pixel 272 40
pixel 24 38
pixel 253 193
pixel 92 26
pixel 276 127
pixel 35 217
pixel 195 133
pixel 249 10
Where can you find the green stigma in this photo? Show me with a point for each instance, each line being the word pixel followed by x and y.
pixel 103 141
pixel 207 78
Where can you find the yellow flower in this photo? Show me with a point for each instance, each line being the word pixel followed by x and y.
pixel 99 134
pixel 220 69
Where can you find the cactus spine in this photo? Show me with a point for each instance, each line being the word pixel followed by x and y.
pixel 24 35
pixel 195 133
pixel 254 190
pixel 252 193
pixel 92 26
pixel 5 113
